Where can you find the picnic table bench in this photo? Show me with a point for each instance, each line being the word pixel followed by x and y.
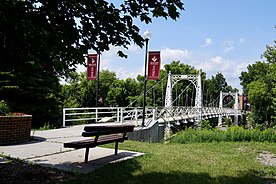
pixel 101 134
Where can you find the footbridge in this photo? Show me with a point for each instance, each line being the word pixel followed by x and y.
pixel 158 120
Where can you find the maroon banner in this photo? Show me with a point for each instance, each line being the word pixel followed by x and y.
pixel 92 67
pixel 154 65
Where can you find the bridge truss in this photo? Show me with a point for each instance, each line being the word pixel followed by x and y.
pixel 196 81
pixel 167 115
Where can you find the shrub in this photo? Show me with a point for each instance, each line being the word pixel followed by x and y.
pixel 205 124
pixel 4 108
pixel 232 134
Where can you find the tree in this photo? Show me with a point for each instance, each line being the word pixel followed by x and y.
pixel 59 32
pixel 41 40
pixel 107 81
pixel 259 83
pixel 213 87
pixel 81 92
pixel 255 71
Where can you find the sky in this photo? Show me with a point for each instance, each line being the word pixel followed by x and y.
pixel 215 36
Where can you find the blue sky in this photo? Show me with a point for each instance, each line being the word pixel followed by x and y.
pixel 215 36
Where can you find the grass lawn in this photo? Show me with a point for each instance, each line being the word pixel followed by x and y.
pixel 224 162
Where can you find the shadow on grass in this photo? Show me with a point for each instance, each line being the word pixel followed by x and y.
pixel 249 177
pixel 132 172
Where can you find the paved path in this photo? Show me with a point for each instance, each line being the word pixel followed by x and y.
pixel 46 149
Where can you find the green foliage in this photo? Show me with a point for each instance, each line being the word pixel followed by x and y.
pixel 232 134
pixel 4 108
pixel 41 41
pixel 57 33
pixel 205 124
pixel 46 126
pixel 227 121
pixel 180 68
pixel 259 83
pixel 212 89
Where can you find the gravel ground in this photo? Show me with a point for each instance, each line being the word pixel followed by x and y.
pixel 267 158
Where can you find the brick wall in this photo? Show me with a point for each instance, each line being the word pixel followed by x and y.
pixel 14 129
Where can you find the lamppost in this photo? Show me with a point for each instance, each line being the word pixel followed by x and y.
pixel 98 79
pixel 147 35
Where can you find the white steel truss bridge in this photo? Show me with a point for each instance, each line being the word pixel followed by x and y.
pixel 168 115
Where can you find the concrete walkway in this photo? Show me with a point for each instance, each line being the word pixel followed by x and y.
pixel 47 149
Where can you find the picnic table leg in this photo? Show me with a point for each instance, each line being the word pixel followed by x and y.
pixel 86 155
pixel 116 148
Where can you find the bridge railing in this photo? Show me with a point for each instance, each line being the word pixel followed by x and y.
pixel 135 114
pixel 87 115
pixel 216 111
pixel 193 113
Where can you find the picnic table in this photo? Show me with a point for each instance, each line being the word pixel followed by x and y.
pixel 100 135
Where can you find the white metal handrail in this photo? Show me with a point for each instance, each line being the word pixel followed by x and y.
pixel 135 114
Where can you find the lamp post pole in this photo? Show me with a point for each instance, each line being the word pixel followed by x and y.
pixel 147 35
pixel 98 79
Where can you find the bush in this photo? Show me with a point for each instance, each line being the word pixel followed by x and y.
pixel 205 124
pixel 232 134
pixel 4 108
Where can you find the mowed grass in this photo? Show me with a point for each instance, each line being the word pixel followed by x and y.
pixel 224 162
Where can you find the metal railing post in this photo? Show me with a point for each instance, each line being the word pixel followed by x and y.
pixel 63 117
pixel 136 116
pixel 154 114
pixel 96 115
pixel 118 114
pixel 121 115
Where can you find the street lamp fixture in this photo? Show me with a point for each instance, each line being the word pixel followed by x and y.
pixel 147 36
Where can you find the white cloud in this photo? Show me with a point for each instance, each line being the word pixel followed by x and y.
pixel 133 48
pixel 242 40
pixel 169 55
pixel 81 68
pixel 217 60
pixel 208 42
pixel 230 69
pixel 228 46
pixel 123 73
pixel 213 65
